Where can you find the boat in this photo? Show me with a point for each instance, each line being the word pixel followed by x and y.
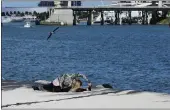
pixel 6 19
pixel 27 25
pixel 30 18
pixel 17 19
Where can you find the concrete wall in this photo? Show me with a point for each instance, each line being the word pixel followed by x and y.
pixel 62 15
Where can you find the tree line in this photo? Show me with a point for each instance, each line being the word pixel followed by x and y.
pixel 41 16
pixel 18 13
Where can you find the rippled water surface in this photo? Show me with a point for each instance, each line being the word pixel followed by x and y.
pixel 128 57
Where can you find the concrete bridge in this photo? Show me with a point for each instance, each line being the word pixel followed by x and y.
pixel 108 8
pixel 78 0
pixel 111 8
pixel 117 10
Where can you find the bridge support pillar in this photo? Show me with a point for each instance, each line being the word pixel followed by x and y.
pixel 102 18
pixel 154 17
pixel 146 17
pixel 50 12
pixel 130 17
pixel 143 17
pixel 53 10
pixel 120 19
pixel 90 18
pixel 149 18
pixel 74 18
pixel 116 17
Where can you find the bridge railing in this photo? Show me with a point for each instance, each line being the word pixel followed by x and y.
pixel 118 6
pixel 78 0
pixel 122 8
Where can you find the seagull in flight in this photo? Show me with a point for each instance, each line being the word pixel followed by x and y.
pixel 51 33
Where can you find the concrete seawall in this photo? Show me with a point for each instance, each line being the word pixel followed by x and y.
pixel 19 95
pixel 62 15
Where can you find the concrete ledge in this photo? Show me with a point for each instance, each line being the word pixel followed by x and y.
pixel 53 23
pixel 22 96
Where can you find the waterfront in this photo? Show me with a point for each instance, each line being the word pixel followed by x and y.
pixel 128 57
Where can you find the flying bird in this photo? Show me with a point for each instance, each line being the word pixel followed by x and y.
pixel 51 33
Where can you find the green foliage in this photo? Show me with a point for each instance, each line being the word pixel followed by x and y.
pixel 29 13
pixel 18 13
pixel 22 14
pixel 7 14
pixel 26 13
pixel 165 21
pixel 43 16
pixel 82 14
pixel 11 12
pixel 2 13
pixel 15 12
pixel 35 13
pixel 158 18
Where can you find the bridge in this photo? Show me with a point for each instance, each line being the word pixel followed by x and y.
pixel 77 0
pixel 116 8
pixel 108 8
pixel 111 8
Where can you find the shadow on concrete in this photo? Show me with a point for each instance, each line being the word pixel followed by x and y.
pixel 10 84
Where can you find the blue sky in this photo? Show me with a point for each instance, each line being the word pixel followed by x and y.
pixel 34 4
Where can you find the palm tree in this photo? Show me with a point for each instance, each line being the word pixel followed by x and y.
pixel 42 16
pixel 15 12
pixel 2 13
pixel 18 13
pixel 35 13
pixel 47 15
pixel 29 13
pixel 22 14
pixel 7 13
pixel 26 13
pixel 11 12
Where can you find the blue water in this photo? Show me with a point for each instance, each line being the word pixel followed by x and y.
pixel 128 57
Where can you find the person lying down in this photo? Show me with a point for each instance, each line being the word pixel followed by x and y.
pixel 76 87
pixel 65 83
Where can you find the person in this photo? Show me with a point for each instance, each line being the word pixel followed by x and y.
pixel 76 87
pixel 64 83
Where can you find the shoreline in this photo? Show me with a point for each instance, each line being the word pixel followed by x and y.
pixel 23 96
pixel 59 24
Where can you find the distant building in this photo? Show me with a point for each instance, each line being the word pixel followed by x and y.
pixel 46 4
pixel 76 3
pixel 73 3
pixel 64 3
pixel 59 3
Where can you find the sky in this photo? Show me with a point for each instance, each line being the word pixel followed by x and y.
pixel 34 4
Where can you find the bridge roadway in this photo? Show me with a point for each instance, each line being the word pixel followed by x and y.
pixel 111 8
pixel 77 0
